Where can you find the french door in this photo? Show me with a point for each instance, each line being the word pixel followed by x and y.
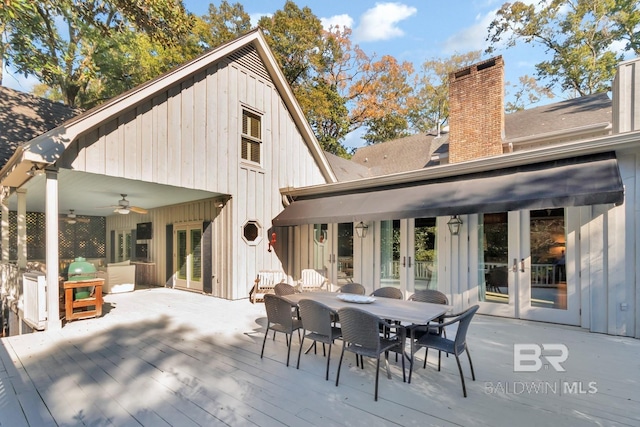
pixel 523 266
pixel 408 254
pixel 333 251
pixel 188 256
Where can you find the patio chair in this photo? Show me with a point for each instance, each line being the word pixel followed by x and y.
pixel 280 318
pixel 352 288
pixel 434 297
pixel 313 280
pixel 361 335
pixel 317 325
pixel 496 278
pixel 282 288
pixel 456 346
pixel 388 292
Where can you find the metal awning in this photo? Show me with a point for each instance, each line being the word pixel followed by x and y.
pixel 577 181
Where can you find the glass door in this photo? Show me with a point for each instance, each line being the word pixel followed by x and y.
pixel 333 251
pixel 390 248
pixel 188 256
pixel 550 295
pixel 422 261
pixel 123 245
pixel 523 266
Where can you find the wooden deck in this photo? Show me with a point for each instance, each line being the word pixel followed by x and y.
pixel 166 357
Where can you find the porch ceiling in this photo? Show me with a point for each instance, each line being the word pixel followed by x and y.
pixel 89 193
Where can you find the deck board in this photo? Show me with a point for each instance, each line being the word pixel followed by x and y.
pixel 168 357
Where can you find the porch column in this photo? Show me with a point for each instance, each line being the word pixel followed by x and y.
pixel 51 221
pixel 22 228
pixel 4 227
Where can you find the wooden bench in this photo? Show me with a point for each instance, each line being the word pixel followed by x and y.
pixel 313 280
pixel 264 284
pixel 95 300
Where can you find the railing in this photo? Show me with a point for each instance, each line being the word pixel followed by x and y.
pixel 423 270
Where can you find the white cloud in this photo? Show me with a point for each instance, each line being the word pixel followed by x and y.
pixel 470 38
pixel 380 22
pixel 341 21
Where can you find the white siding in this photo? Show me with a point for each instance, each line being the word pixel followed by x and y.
pixel 188 136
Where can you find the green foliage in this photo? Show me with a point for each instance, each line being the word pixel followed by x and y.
pixel 428 108
pixel 67 61
pixel 225 23
pixel 387 128
pixel 579 35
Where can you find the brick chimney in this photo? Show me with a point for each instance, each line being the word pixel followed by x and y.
pixel 476 111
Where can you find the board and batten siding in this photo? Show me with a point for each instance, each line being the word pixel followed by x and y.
pixel 188 135
pixel 194 212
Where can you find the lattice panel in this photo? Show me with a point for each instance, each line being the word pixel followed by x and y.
pixel 80 239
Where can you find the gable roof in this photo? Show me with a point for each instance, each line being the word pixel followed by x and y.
pixel 571 117
pixel 24 116
pixel 48 147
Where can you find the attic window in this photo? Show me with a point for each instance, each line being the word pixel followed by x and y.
pixel 251 137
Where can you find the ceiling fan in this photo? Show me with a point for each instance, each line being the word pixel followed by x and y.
pixel 72 218
pixel 123 207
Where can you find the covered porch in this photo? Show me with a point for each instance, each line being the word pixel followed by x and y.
pixel 165 357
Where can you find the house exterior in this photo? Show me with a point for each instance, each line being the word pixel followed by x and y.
pixel 200 153
pixel 531 216
pixel 546 213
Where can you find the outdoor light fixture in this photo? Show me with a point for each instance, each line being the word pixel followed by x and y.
pixel 35 170
pixel 454 224
pixel 361 230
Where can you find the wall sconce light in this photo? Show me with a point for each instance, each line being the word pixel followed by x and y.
pixel 35 170
pixel 361 229
pixel 454 225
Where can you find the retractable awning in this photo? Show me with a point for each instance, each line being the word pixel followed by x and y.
pixel 578 181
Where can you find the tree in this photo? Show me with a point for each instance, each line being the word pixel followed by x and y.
pixel 578 34
pixel 295 37
pixel 64 56
pixel 225 23
pixel 527 93
pixel 381 96
pixel 429 106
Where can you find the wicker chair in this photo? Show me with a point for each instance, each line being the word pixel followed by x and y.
pixel 352 288
pixel 317 325
pixel 434 297
pixel 430 295
pixel 456 346
pixel 388 292
pixel 361 335
pixel 280 318
pixel 284 289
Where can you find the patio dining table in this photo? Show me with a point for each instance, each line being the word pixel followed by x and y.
pixel 403 311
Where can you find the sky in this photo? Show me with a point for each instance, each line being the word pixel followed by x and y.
pixel 409 30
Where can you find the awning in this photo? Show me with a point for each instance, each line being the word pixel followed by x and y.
pixel 578 181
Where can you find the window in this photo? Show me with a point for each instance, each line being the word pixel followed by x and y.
pixel 251 136
pixel 251 231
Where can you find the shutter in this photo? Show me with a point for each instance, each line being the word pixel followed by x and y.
pixel 206 245
pixel 169 254
pixel 112 251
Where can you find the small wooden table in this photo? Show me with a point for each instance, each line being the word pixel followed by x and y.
pixel 94 300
